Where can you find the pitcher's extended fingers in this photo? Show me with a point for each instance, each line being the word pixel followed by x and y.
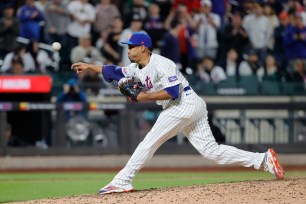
pixel 75 65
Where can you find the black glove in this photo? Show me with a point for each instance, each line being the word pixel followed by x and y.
pixel 130 87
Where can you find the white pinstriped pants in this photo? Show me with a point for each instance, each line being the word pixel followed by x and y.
pixel 189 116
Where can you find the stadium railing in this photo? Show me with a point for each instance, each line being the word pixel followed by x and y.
pixel 251 123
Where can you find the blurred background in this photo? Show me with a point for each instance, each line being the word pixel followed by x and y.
pixel 246 58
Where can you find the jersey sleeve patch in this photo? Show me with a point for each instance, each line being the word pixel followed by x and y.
pixel 172 78
pixel 125 70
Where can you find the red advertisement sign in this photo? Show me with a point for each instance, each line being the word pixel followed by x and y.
pixel 25 84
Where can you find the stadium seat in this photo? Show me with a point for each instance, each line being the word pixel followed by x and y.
pixel 228 87
pixel 249 84
pixel 270 88
pixel 192 79
pixel 205 88
pixel 229 82
pixel 292 88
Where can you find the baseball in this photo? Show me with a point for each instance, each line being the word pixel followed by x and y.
pixel 56 46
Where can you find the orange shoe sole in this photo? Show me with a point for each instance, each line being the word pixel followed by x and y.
pixel 277 168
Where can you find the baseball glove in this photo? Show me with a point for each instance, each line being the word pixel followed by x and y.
pixel 130 87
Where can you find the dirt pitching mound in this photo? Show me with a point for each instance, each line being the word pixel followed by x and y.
pixel 272 191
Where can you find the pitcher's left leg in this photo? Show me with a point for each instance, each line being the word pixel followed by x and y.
pixel 166 126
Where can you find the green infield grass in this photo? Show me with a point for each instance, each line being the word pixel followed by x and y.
pixel 30 186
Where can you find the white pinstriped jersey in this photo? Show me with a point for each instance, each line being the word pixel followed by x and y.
pixel 159 74
pixel 186 114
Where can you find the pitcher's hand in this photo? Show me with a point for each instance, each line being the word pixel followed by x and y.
pixel 79 67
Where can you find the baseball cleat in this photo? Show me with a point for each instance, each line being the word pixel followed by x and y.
pixel 113 189
pixel 272 165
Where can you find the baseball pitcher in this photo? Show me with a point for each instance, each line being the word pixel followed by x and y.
pixel 151 77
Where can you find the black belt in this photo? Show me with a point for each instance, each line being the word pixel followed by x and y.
pixel 187 88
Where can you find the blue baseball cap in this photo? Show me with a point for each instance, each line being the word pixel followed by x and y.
pixel 71 82
pixel 139 38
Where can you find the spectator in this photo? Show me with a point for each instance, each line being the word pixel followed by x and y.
pixel 279 50
pixel 16 66
pixel 251 66
pixel 208 72
pixel 191 5
pixel 82 16
pixel 299 74
pixel 91 83
pixel 185 36
pixel 135 26
pixel 165 7
pixel 154 25
pixel 30 18
pixel 57 19
pixel 234 36
pixel 207 25
pixel 257 27
pixel 9 31
pixel 295 41
pixel 105 15
pixel 272 72
pixel 221 8
pixel 299 77
pixel 85 52
pixel 100 42
pixel 170 40
pixel 41 58
pixel 276 5
pixel 40 5
pixel 242 6
pixel 111 49
pixel 291 15
pixel 272 24
pixel 27 59
pixel 231 63
pixel 76 123
pixel 296 7
pixel 12 140
pixel 140 9
pixel 72 93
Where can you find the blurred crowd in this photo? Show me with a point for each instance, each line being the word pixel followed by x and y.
pixel 208 39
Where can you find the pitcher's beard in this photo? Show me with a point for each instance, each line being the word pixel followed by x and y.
pixel 132 60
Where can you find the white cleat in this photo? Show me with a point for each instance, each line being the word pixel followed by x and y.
pixel 272 165
pixel 113 189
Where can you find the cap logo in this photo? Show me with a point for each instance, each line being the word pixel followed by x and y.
pixel 142 42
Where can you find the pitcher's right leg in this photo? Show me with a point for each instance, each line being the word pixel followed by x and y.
pixel 200 136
